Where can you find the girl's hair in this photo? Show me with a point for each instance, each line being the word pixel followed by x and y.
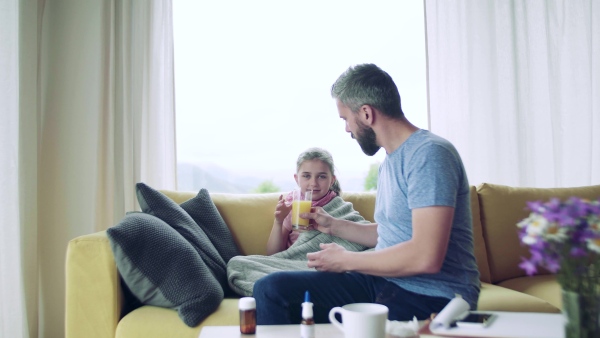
pixel 324 156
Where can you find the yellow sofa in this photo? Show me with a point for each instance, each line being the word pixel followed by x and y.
pixel 95 302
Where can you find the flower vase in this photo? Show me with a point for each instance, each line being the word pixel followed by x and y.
pixel 582 314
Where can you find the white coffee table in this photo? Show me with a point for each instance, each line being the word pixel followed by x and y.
pixel 269 331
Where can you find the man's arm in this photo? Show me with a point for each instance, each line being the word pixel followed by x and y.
pixel 424 253
pixel 364 234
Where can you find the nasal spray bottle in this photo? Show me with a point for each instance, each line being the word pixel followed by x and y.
pixel 307 326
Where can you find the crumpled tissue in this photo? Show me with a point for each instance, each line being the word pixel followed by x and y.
pixel 401 329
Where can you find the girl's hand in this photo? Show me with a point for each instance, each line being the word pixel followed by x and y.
pixel 281 210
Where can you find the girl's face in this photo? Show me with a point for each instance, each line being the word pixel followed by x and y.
pixel 314 175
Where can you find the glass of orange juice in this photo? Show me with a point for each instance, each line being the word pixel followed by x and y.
pixel 302 203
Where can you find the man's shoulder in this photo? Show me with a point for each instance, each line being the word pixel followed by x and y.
pixel 428 144
pixel 424 137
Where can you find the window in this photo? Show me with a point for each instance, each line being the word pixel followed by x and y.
pixel 253 83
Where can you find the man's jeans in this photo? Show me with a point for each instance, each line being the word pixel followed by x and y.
pixel 279 296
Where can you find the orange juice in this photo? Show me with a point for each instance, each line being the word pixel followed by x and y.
pixel 299 207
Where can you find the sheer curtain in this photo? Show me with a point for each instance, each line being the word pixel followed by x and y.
pixel 515 85
pixel 89 98
pixel 12 298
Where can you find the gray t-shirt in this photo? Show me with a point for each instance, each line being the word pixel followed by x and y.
pixel 426 170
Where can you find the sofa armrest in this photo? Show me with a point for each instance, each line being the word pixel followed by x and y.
pixel 94 298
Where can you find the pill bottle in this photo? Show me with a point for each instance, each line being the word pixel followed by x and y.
pixel 247 306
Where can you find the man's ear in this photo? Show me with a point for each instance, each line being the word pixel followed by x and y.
pixel 366 114
pixel 296 178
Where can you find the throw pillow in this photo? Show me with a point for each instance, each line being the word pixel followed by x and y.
pixel 205 213
pixel 161 268
pixel 155 203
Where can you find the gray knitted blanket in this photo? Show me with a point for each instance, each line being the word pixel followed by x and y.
pixel 244 271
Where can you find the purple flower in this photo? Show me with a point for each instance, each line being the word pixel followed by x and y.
pixel 577 207
pixel 528 266
pixel 594 208
pixel 552 264
pixel 578 252
pixel 565 218
pixel 554 204
pixel 539 246
pixel 536 206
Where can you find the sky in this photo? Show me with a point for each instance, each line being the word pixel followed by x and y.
pixel 253 78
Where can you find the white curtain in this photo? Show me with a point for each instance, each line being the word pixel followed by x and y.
pixel 90 112
pixel 12 296
pixel 515 85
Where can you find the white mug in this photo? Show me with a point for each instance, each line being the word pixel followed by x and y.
pixel 361 320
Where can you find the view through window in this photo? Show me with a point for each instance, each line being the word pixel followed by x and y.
pixel 253 79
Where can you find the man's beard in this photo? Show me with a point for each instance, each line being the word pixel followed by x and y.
pixel 365 136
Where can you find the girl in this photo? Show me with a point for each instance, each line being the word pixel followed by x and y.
pixel 314 171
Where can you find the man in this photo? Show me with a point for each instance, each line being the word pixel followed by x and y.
pixel 423 239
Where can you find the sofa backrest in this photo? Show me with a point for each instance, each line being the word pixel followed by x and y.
pixel 480 250
pixel 496 210
pixel 501 208
pixel 363 202
pixel 250 218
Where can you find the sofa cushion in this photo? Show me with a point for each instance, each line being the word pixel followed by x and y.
pixel 151 321
pixel 545 287
pixel 161 268
pixel 502 207
pixel 204 212
pixel 497 298
pixel 155 203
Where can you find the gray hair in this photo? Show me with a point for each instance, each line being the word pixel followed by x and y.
pixel 324 156
pixel 368 84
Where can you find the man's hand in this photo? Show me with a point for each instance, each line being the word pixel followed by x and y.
pixel 281 210
pixel 321 220
pixel 332 257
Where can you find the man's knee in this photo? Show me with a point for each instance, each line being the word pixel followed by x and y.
pixel 260 286
pixel 270 283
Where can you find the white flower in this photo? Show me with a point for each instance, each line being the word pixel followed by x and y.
pixel 556 233
pixel 594 225
pixel 529 240
pixel 525 222
pixel 594 244
pixel 535 225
